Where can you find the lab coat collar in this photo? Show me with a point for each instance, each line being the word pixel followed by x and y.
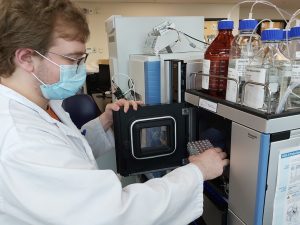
pixel 56 106
pixel 24 101
pixel 66 125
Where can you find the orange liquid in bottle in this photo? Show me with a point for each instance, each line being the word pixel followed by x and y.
pixel 218 54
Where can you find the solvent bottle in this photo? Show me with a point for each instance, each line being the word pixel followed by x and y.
pixel 266 68
pixel 216 60
pixel 244 46
pixel 295 60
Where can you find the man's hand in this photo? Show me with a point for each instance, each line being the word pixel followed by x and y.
pixel 211 162
pixel 106 117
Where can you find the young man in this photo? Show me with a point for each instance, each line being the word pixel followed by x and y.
pixel 48 172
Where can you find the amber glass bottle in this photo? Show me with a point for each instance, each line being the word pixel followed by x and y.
pixel 216 60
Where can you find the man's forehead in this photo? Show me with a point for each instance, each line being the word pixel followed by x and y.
pixel 65 45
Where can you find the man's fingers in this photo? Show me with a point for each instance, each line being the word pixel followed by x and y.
pixel 225 162
pixel 134 104
pixel 191 158
pixel 112 106
pixel 120 102
pixel 218 150
pixel 126 106
pixel 139 102
pixel 223 155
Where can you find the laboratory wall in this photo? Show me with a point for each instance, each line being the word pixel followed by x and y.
pixel 99 12
pixel 262 12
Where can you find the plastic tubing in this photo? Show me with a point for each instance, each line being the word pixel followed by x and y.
pixel 284 98
pixel 288 27
pixel 254 3
pixel 130 88
pixel 293 17
pixel 287 42
pixel 292 86
pixel 269 4
pixel 250 40
pixel 233 7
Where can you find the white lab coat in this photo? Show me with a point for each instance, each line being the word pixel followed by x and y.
pixel 48 175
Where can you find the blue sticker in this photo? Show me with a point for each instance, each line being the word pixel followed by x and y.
pixel 83 132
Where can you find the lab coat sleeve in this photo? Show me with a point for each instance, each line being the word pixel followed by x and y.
pixel 99 140
pixel 41 194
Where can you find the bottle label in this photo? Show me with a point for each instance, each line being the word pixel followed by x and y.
pixel 236 71
pixel 295 73
pixel 211 106
pixel 231 89
pixel 297 55
pixel 205 70
pixel 240 66
pixel 254 94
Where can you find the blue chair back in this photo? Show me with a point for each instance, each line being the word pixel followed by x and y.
pixel 82 108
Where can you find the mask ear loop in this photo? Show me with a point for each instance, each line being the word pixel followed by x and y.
pixel 39 79
pixel 49 61
pixel 47 58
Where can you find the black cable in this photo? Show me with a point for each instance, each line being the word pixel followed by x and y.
pixel 203 42
pixel 117 92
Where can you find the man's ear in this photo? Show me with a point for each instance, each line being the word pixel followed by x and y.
pixel 24 59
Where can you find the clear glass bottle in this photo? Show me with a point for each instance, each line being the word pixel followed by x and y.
pixel 244 46
pixel 266 68
pixel 216 60
pixel 294 100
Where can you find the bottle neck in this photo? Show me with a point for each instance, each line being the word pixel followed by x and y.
pixel 271 43
pixel 225 31
pixel 295 39
pixel 272 51
pixel 247 32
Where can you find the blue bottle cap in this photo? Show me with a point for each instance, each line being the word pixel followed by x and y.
pixel 286 34
pixel 295 32
pixel 273 34
pixel 247 24
pixel 225 25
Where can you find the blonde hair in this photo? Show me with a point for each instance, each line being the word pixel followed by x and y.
pixel 33 23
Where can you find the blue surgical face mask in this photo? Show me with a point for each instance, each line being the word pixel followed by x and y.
pixel 72 78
